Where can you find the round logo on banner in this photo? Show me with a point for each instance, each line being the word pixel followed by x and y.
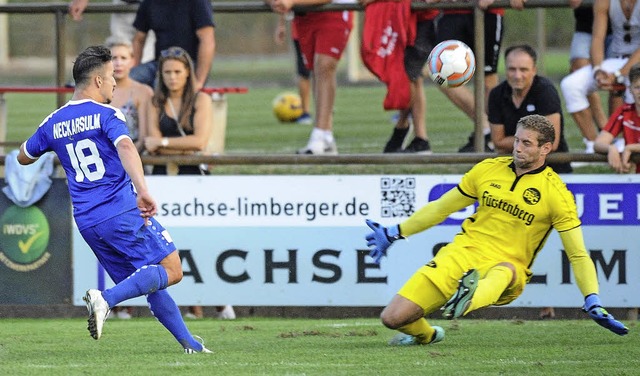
pixel 25 237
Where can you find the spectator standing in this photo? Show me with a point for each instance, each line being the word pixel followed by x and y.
pixel 604 73
pixel 184 23
pixel 180 123
pixel 624 121
pixel 303 75
pixel 579 56
pixel 120 25
pixel 100 161
pixel 459 24
pixel 415 57
pixel 488 262
pixel 524 93
pixel 323 36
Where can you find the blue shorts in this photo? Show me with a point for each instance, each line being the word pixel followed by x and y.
pixel 123 244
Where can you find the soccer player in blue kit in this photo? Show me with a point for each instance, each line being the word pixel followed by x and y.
pixel 111 202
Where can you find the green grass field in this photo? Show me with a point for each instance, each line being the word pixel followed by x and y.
pixel 316 347
pixel 250 346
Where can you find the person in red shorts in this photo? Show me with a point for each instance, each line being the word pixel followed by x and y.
pixel 323 37
pixel 624 121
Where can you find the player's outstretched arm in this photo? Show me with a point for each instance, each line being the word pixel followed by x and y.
pixel 429 215
pixel 587 280
pixel 593 307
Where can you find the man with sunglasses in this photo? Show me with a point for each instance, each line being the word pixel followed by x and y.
pixel 604 73
pixel 183 23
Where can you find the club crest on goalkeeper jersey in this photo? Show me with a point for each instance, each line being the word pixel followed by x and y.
pixel 515 215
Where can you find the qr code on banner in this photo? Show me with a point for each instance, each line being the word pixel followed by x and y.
pixel 398 197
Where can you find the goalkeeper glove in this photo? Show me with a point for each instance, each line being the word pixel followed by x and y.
pixel 593 307
pixel 380 239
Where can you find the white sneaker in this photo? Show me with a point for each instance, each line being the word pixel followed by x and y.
pixel 319 147
pixel 227 313
pixel 589 146
pixel 98 312
pixel 190 316
pixel 123 315
pixel 188 350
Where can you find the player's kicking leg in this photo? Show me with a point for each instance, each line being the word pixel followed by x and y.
pixel 461 300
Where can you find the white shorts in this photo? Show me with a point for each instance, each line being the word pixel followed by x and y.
pixel 579 84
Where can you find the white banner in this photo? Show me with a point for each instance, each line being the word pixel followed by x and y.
pixel 299 240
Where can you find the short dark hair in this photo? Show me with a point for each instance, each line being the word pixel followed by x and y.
pixel 522 48
pixel 90 59
pixel 634 73
pixel 540 124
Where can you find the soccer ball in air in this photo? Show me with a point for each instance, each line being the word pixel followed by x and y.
pixel 451 63
pixel 287 107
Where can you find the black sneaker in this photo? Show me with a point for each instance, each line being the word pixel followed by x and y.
pixel 394 145
pixel 418 146
pixel 469 148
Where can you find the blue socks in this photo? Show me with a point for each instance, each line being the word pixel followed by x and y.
pixel 146 280
pixel 164 308
pixel 152 280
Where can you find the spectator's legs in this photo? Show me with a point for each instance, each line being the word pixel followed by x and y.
pixel 419 109
pixel 324 81
pixel 304 89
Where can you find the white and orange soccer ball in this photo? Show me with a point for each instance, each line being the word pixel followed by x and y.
pixel 451 63
pixel 287 107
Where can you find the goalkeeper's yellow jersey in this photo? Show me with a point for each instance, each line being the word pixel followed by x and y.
pixel 515 215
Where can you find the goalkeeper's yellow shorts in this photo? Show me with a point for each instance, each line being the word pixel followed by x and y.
pixel 435 283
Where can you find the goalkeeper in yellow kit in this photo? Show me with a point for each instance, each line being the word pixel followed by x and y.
pixel 520 200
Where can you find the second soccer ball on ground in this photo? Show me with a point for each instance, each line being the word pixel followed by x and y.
pixel 287 107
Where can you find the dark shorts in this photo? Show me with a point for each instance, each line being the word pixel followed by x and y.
pixel 461 27
pixel 300 67
pixel 416 56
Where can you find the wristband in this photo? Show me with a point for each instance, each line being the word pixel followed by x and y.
pixel 619 77
pixel 165 142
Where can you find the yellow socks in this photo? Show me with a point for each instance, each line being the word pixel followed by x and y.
pixel 419 329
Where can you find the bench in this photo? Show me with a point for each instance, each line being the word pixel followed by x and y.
pixel 218 96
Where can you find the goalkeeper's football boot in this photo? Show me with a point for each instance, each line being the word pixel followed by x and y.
pixel 189 350
pixel 461 300
pixel 98 312
pixel 402 339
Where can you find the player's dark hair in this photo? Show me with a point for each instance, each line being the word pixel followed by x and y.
pixel 634 72
pixel 540 124
pixel 527 49
pixel 161 92
pixel 90 59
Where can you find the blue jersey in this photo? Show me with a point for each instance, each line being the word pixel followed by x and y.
pixel 84 135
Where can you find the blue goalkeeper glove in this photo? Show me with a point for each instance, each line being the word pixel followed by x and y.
pixel 380 239
pixel 593 307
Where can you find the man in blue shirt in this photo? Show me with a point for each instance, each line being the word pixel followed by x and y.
pixel 111 203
